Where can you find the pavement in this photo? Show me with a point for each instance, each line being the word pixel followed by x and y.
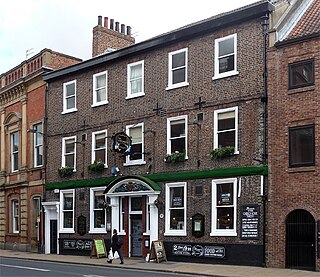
pixel 196 269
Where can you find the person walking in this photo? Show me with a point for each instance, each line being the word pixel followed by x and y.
pixel 116 245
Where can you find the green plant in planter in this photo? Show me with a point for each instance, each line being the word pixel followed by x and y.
pixel 222 152
pixel 175 157
pixel 65 171
pixel 96 166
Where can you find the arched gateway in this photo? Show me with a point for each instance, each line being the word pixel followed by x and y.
pixel 133 212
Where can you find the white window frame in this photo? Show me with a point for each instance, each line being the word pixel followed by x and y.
pixel 140 161
pixel 168 231
pixel 148 217
pixel 94 149
pixel 62 229
pixel 63 161
pixel 171 119
pixel 95 102
pixel 15 216
pixel 92 229
pixel 14 153
pixel 170 70
pixel 129 87
pixel 233 72
pixel 74 109
pixel 214 230
pixel 37 145
pixel 215 127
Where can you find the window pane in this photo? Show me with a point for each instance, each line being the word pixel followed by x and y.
pixel 177 197
pixel 67 220
pixel 136 86
pixel 226 47
pixel 226 121
pixel 226 64
pixel 224 194
pixel 301 74
pixel 301 146
pixel 100 156
pixel 136 71
pixel 68 202
pixel 178 75
pixel 178 145
pixel 70 89
pixel 38 155
pixel 100 81
pixel 225 218
pixel 177 219
pixel 226 139
pixel 100 140
pixel 178 60
pixel 136 204
pixel 177 128
pixel 70 102
pixel 98 199
pixel 101 95
pixel 99 219
pixel 69 146
pixel 136 152
pixel 136 134
pixel 69 161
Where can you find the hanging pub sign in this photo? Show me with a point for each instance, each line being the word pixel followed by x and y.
pixel 249 222
pixel 122 143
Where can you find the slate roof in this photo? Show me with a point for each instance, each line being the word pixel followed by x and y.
pixel 308 24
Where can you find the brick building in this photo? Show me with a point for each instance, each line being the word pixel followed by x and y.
pixel 294 120
pixel 131 135
pixel 22 170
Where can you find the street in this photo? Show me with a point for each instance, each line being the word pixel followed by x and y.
pixel 29 268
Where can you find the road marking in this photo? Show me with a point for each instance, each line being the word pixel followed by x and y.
pixel 23 267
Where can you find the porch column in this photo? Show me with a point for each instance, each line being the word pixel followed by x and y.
pixel 115 210
pixel 153 218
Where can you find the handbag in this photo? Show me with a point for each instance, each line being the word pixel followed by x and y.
pixel 110 255
pixel 116 255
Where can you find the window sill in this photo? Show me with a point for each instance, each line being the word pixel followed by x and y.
pixel 301 169
pixel 176 234
pixel 231 233
pixel 225 75
pixel 135 95
pixel 184 84
pixel 69 111
pixel 98 231
pixel 67 231
pixel 301 89
pixel 134 163
pixel 99 104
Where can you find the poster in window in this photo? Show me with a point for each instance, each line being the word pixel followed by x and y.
pixel 177 201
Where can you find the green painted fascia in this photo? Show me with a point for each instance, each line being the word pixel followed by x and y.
pixel 163 177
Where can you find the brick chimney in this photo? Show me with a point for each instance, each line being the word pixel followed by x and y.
pixel 109 38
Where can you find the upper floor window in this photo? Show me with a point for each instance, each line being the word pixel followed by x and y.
pixel 69 97
pixel 301 74
pixel 226 128
pixel 14 151
pixel 301 146
pixel 177 128
pixel 37 144
pixel 67 211
pixel 99 149
pixel 178 67
pixel 15 216
pixel 97 210
pixel 224 207
pixel 100 95
pixel 69 152
pixel 176 209
pixel 225 57
pixel 135 78
pixel 137 146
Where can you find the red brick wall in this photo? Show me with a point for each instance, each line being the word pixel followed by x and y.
pixel 290 188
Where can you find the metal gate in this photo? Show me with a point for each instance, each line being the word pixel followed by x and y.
pixel 300 241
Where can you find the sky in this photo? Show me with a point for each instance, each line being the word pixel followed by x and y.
pixel 65 26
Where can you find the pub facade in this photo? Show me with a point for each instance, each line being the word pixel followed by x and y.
pixel 163 140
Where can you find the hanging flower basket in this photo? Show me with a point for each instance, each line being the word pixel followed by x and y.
pixel 222 152
pixel 175 157
pixel 96 166
pixel 65 171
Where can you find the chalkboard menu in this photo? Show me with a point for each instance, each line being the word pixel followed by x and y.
pixel 76 244
pixel 210 251
pixel 318 236
pixel 250 222
pixel 157 252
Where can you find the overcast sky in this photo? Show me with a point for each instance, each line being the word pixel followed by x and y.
pixel 66 25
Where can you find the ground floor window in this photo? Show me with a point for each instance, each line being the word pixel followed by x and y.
pixel 15 227
pixel 97 210
pixel 176 196
pixel 224 207
pixel 67 211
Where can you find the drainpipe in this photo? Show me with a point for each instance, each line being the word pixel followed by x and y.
pixel 264 99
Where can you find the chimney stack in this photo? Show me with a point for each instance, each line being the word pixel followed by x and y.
pixel 109 36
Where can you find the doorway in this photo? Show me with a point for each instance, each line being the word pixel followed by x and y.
pixel 300 241
pixel 136 235
pixel 53 236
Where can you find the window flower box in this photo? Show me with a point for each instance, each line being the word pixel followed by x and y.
pixel 96 166
pixel 175 157
pixel 65 171
pixel 222 152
